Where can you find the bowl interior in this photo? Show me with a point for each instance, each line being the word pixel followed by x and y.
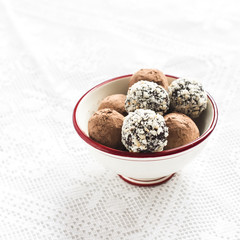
pixel 91 100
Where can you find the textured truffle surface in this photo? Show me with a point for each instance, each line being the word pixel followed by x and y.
pixel 182 130
pixel 147 95
pixel 188 97
pixel 152 75
pixel 115 102
pixel 105 127
pixel 144 131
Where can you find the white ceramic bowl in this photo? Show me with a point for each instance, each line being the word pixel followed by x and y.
pixel 139 168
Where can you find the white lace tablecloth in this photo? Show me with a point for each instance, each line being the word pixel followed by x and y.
pixel 51 52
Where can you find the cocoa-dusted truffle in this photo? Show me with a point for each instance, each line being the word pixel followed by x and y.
pixel 144 131
pixel 188 97
pixel 182 130
pixel 147 95
pixel 115 102
pixel 152 75
pixel 105 127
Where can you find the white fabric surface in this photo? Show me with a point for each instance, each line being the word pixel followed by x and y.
pixel 51 52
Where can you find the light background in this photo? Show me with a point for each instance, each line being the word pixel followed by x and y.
pixel 51 52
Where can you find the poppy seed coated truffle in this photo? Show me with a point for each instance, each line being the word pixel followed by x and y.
pixel 188 97
pixel 147 95
pixel 144 131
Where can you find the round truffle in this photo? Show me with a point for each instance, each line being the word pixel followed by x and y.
pixel 152 75
pixel 182 130
pixel 188 97
pixel 105 127
pixel 115 102
pixel 147 95
pixel 144 131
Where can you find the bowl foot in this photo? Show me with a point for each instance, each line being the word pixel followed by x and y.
pixel 146 182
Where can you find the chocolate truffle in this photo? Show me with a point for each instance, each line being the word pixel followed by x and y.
pixel 105 128
pixel 115 102
pixel 152 75
pixel 182 130
pixel 147 95
pixel 144 131
pixel 188 97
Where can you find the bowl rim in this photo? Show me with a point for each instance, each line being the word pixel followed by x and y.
pixel 131 155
